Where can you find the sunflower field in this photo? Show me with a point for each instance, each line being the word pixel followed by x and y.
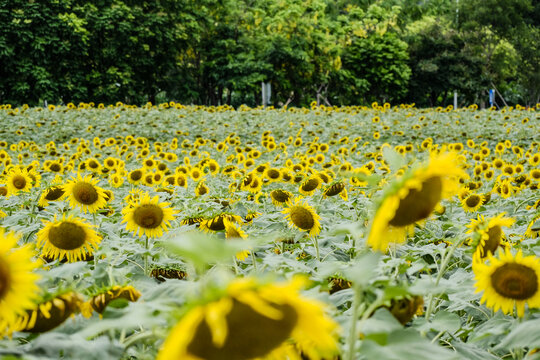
pixel 189 232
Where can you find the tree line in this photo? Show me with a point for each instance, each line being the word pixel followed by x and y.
pixel 213 52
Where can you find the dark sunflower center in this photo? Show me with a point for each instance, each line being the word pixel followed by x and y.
pixel 280 196
pixel 19 182
pixel 201 190
pixel 216 224
pixel 473 201
pixel 93 165
pixel 67 236
pixel 85 193
pixel 5 278
pixel 335 189
pixel 273 174
pixel 136 175
pixel 310 185
pixel 515 281
pixel 54 194
pixel 418 204
pixel 148 216
pixel 251 335
pixel 3 191
pixel 302 218
pixel 494 239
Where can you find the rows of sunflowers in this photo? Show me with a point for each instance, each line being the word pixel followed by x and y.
pixel 191 232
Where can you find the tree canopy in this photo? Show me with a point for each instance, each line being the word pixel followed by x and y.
pixel 219 51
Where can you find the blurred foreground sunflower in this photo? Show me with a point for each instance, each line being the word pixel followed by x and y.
pixel 413 198
pixel 254 321
pixel 509 281
pixel 18 288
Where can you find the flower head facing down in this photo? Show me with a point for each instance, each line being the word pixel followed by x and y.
pixel 412 199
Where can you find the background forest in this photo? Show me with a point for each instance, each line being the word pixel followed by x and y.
pixel 214 52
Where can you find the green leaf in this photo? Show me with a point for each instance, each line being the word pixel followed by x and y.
pixel 523 335
pixel 442 321
pixel 405 344
pixel 382 322
pixel 362 271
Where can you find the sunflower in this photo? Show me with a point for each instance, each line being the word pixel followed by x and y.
pixel 83 193
pixel 217 223
pixel 18 288
pixel 412 199
pixel 53 193
pixel 487 234
pixel 235 232
pixel 272 174
pixel 337 188
pixel 509 281
pixel 99 301
pixel 303 217
pixel 533 229
pixel 280 197
pixel 17 180
pixel 135 176
pixel 472 202
pixel 69 238
pixel 201 188
pixel 148 216
pixel 253 320
pixel 310 185
pixel 49 314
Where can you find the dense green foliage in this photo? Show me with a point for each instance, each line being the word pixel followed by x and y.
pixel 215 52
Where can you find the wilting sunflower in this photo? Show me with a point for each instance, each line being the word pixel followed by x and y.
pixel 337 188
pixel 233 231
pixel 148 216
pixel 217 223
pixel 280 197
pixel 254 321
pixel 533 229
pixel 413 198
pixel 507 281
pixel 472 202
pixel 69 238
pixel 303 217
pixel 18 288
pixel 201 188
pixel 49 314
pixel 487 234
pixel 52 193
pixel 83 193
pixel 99 301
pixel 17 180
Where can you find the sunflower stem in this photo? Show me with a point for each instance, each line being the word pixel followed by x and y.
pixel 316 244
pixel 442 270
pixel 352 329
pixel 235 265
pixel 253 260
pixel 146 255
